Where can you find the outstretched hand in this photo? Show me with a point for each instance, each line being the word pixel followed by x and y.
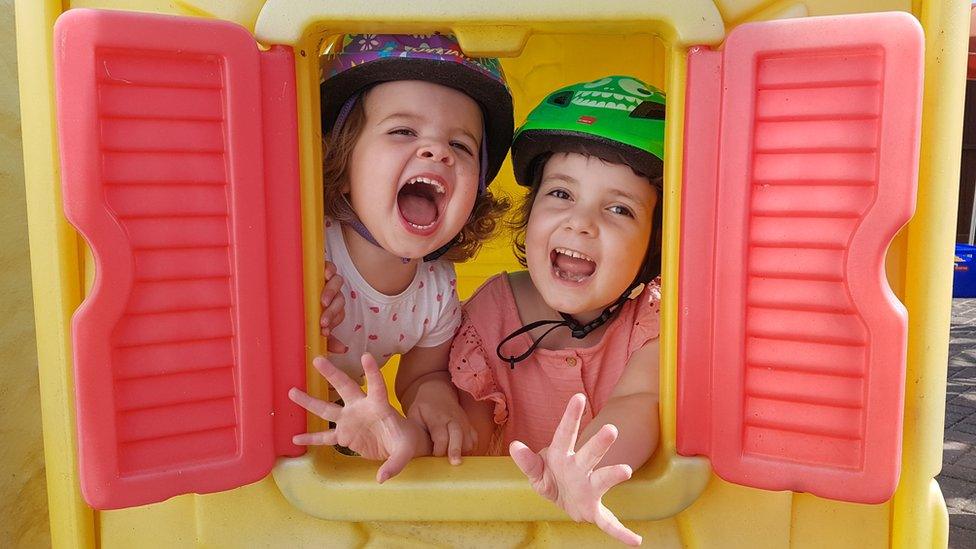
pixel 365 423
pixel 568 478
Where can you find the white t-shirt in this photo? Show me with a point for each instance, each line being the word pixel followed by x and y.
pixel 426 314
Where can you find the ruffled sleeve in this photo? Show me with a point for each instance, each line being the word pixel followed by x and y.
pixel 471 372
pixel 647 314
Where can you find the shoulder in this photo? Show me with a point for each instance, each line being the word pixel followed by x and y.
pixel 491 293
pixel 645 315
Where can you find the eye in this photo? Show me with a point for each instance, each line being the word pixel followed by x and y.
pixel 621 210
pixel 632 86
pixel 597 83
pixel 558 193
pixel 402 131
pixel 462 147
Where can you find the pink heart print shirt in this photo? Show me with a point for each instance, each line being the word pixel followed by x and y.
pixel 426 314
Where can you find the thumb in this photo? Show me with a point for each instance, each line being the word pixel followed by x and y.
pixel 394 464
pixel 529 462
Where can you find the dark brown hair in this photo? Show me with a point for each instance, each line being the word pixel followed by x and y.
pixel 338 147
pixel 651 267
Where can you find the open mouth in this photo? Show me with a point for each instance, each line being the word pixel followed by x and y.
pixel 419 201
pixel 571 265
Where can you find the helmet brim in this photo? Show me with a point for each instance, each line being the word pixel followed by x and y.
pixel 490 94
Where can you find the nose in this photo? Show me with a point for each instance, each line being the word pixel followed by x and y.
pixel 436 152
pixel 581 221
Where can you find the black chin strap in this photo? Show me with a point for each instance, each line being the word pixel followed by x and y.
pixel 579 331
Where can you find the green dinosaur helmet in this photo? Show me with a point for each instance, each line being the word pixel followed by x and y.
pixel 615 114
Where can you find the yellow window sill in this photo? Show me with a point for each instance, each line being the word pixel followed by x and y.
pixel 332 486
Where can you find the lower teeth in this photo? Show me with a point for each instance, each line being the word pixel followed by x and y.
pixel 569 276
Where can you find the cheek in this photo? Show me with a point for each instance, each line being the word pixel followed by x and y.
pixel 536 242
pixel 630 248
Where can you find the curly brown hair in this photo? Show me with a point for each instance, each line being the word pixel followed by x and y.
pixel 481 225
pixel 520 219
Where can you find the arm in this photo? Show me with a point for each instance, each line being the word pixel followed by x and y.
pixel 428 397
pixel 574 472
pixel 481 417
pixel 633 409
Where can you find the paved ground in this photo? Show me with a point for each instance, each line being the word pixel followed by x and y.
pixel 958 477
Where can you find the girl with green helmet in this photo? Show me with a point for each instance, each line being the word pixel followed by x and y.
pixel 589 234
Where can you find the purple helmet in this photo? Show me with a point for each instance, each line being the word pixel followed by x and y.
pixel 363 60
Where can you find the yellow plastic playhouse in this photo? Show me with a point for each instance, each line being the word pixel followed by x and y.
pixel 846 459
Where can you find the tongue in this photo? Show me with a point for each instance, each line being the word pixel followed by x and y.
pixel 417 209
pixel 574 265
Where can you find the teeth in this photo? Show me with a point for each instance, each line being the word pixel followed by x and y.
pixel 421 227
pixel 438 188
pixel 574 253
pixel 569 276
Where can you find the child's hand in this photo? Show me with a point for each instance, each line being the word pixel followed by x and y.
pixel 365 423
pixel 333 308
pixel 437 409
pixel 568 478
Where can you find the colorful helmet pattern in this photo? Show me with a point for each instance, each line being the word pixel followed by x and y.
pixel 615 113
pixel 362 60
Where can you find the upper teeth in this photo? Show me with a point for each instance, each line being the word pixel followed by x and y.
pixel 574 253
pixel 433 183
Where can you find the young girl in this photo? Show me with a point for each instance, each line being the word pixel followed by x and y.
pixel 589 234
pixel 415 131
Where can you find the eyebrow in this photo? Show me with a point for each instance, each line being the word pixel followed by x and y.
pixel 562 177
pixel 625 194
pixel 414 117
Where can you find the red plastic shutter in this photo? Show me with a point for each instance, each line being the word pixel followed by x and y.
pixel 179 167
pixel 801 156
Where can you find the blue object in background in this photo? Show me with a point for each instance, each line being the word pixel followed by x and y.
pixel 964 273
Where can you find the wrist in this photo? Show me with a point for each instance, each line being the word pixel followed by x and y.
pixel 438 381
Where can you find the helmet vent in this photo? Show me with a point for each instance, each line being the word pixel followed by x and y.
pixel 649 110
pixel 561 99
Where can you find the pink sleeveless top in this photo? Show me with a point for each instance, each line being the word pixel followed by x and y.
pixel 530 399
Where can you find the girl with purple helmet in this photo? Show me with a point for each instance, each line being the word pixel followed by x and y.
pixel 414 132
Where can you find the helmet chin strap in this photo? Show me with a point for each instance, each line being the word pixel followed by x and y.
pixel 578 330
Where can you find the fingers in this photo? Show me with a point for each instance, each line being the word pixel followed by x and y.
pixel 470 440
pixel 592 452
pixel 322 438
pixel 607 477
pixel 564 439
pixel 529 462
pixel 455 436
pixel 375 384
pixel 439 437
pixel 333 308
pixel 321 408
pixel 347 388
pixel 330 270
pixel 394 464
pixel 608 522
pixel 335 346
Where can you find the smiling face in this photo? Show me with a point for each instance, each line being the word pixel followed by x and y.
pixel 413 174
pixel 587 233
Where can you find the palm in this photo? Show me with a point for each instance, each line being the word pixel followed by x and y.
pixel 365 423
pixel 370 427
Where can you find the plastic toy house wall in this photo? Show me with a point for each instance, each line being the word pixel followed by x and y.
pixel 502 512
